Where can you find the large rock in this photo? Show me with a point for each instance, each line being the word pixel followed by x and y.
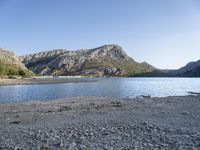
pixel 105 60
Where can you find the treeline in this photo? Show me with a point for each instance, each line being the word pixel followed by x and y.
pixel 155 73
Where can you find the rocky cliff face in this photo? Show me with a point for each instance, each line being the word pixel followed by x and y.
pixel 192 69
pixel 8 57
pixel 101 61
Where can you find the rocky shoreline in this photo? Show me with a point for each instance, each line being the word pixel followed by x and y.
pixel 102 123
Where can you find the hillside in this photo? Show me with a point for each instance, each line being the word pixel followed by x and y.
pixel 10 64
pixel 192 69
pixel 107 60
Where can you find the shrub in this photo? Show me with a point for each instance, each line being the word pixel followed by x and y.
pixel 11 70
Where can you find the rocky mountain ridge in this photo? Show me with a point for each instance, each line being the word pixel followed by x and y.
pixel 107 60
pixel 100 61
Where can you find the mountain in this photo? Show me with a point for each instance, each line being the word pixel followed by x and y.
pixel 192 69
pixel 107 60
pixel 10 64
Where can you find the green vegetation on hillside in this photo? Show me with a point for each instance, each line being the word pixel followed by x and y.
pixel 128 66
pixel 7 69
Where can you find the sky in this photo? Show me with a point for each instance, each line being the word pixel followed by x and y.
pixel 164 33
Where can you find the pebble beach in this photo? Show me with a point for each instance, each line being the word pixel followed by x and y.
pixel 102 123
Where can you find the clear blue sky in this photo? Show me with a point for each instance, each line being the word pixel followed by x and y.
pixel 164 33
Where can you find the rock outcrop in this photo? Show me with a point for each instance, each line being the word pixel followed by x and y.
pixel 8 57
pixel 107 60
pixel 11 67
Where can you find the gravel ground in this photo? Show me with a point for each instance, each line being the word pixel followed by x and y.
pixel 102 123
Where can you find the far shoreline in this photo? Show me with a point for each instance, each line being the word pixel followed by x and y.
pixel 42 80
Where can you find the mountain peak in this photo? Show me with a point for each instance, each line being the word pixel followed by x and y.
pixel 112 51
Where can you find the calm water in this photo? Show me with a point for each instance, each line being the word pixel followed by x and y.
pixel 111 87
